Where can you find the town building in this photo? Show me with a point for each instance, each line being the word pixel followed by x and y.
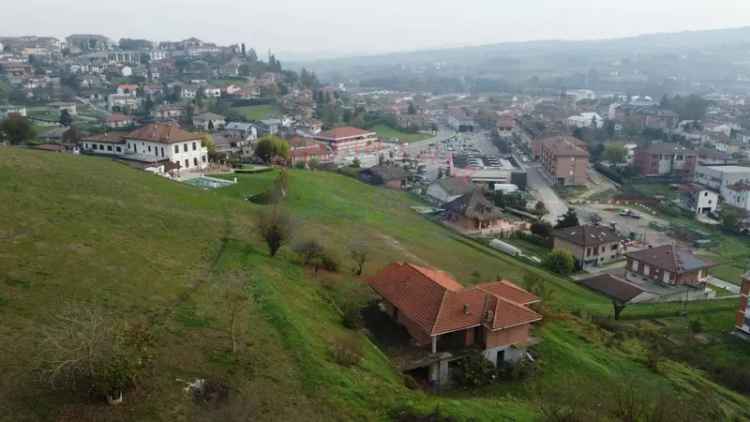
pixel 209 121
pixel 442 317
pixel 240 130
pixel 167 112
pixel 152 143
pixel 475 215
pixel 742 323
pixel 565 160
pixel 449 189
pixel 118 120
pixel 698 199
pixel 343 140
pixel 738 195
pixel 304 150
pixel 392 177
pixel 719 177
pixel 591 245
pixel 668 265
pixel 665 159
pixel 7 110
pixel 586 120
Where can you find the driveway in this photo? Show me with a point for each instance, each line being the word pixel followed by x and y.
pixel 542 191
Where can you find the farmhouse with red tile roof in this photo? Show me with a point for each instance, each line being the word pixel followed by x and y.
pixel 440 313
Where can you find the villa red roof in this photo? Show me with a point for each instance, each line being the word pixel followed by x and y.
pixel 164 133
pixel 439 304
pixel 118 117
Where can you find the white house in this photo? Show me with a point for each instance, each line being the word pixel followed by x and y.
pixel 698 199
pixel 241 131
pixel 738 195
pixel 586 120
pixel 154 143
pixel 209 121
pixel 212 92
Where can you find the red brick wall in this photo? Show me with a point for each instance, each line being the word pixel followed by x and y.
pixel 507 337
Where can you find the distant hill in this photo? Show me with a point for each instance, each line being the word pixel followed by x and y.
pixel 714 58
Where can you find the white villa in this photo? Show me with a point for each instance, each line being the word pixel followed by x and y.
pixel 161 147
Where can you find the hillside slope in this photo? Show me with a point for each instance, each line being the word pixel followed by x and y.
pixel 89 231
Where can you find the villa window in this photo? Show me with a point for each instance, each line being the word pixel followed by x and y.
pixel 187 163
pixel 176 149
pixel 195 162
pixel 194 146
pixel 119 149
pixel 184 147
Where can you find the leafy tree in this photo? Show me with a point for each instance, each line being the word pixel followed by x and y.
pixel 72 136
pixel 17 129
pixel 569 219
pixel 270 147
pixel 359 251
pixel 207 141
pixel 730 218
pixel 560 262
pixel 65 118
pixel 252 56
pixel 541 229
pixel 312 254
pixel 275 228
pixel 615 153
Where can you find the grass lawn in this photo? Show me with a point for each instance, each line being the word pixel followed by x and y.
pixel 388 133
pixel 87 230
pixel 258 112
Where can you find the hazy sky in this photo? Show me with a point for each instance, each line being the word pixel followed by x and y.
pixel 343 27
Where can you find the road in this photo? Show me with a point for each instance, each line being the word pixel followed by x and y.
pixel 540 188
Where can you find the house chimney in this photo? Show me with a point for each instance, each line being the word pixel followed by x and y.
pixel 466 309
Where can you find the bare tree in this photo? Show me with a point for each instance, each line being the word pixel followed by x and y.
pixel 275 228
pixel 312 253
pixel 359 252
pixel 74 346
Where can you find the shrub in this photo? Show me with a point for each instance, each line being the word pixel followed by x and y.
pixel 696 326
pixel 352 318
pixel 474 371
pixel 347 351
pixel 330 263
pixel 541 229
pixel 560 262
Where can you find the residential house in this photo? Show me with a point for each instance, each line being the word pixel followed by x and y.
pixel 304 150
pixel 449 189
pixel 668 265
pixel 738 195
pixel 209 121
pixel 118 120
pixel 729 181
pixel 474 214
pixel 212 92
pixel 742 323
pixel 344 140
pixel 392 177
pixel 61 106
pixel 123 102
pixel 698 199
pixel 565 160
pixel 269 127
pixel 7 110
pixel 585 120
pixel 167 112
pixel 591 245
pixel 665 159
pixel 152 143
pixel 443 317
pixel 240 130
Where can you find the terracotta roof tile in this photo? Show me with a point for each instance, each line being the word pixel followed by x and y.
pixel 164 133
pixel 343 133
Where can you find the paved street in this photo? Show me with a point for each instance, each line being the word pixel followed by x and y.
pixel 540 188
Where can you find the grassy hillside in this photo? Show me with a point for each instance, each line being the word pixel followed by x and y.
pixel 386 132
pixel 92 232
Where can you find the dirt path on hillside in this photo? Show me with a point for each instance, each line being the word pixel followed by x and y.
pixel 395 244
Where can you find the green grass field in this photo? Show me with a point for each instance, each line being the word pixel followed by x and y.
pixel 388 133
pixel 258 112
pixel 90 231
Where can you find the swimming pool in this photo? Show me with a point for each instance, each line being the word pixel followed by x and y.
pixel 206 182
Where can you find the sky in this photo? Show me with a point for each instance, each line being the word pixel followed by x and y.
pixel 296 29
